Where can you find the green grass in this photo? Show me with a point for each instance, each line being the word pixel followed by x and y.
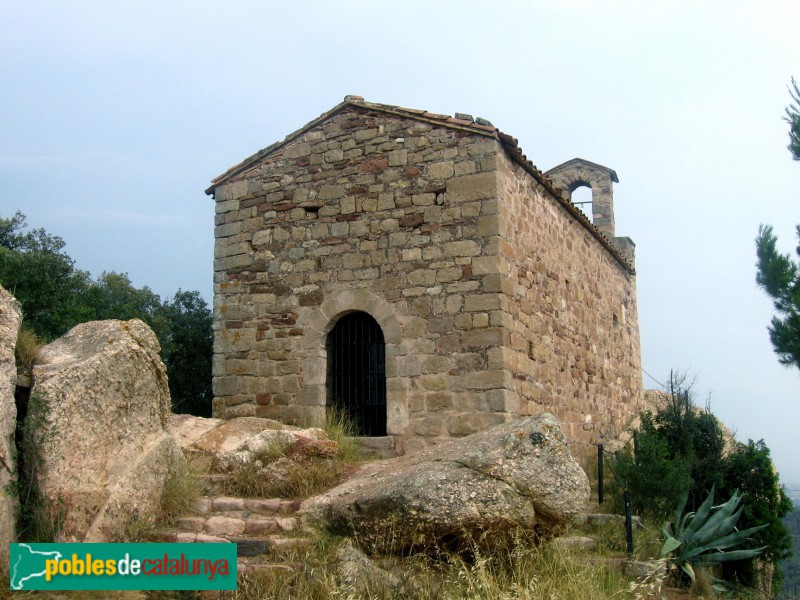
pixel 343 432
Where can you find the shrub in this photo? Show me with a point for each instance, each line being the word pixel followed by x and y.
pixel 680 449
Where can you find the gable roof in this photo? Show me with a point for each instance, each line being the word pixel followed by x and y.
pixel 582 162
pixel 461 122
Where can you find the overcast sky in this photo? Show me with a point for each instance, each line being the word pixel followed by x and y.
pixel 114 117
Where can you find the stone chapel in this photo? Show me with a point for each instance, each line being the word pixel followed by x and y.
pixel 417 272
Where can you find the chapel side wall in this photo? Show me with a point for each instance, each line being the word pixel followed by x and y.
pixel 574 349
pixel 369 212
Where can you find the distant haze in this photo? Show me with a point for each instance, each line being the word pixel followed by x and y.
pixel 117 115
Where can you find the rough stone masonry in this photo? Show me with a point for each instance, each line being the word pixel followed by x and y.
pixel 495 296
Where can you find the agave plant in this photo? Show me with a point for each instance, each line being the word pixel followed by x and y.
pixel 707 536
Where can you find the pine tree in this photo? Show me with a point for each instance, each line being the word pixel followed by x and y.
pixel 778 274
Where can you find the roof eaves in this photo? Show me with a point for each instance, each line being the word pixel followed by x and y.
pixel 358 101
pixel 250 160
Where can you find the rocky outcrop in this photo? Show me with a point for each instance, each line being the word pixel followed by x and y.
pixel 483 489
pixel 243 440
pixel 97 417
pixel 10 319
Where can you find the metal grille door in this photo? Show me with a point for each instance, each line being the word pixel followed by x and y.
pixel 357 372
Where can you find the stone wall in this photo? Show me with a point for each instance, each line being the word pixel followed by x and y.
pixel 396 216
pixel 572 313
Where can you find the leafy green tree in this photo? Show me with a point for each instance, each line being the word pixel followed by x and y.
pixel 187 347
pixel 113 296
pixel 749 470
pixel 777 273
pixel 779 276
pixel 55 296
pixel 34 267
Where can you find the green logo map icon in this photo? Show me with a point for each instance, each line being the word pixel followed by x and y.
pixel 94 566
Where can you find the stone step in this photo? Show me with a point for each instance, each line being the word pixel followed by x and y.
pixel 249 546
pixel 236 525
pixel 233 506
pixel 382 447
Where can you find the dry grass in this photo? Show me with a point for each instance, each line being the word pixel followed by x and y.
pixel 342 431
pixel 273 475
pixel 284 478
pixel 522 572
pixel 181 489
pixel 26 350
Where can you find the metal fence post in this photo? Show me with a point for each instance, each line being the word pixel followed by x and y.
pixel 628 523
pixel 599 473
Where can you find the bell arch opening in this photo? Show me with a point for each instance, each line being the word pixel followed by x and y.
pixel 582 196
pixel 356 372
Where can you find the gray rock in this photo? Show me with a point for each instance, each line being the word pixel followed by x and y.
pixel 97 413
pixel 577 542
pixel 361 576
pixel 484 489
pixel 243 440
pixel 650 570
pixel 603 519
pixel 10 319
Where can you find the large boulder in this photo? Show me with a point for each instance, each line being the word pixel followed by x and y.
pixel 96 417
pixel 486 489
pixel 243 440
pixel 10 319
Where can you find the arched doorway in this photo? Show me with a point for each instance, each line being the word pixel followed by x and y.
pixel 357 372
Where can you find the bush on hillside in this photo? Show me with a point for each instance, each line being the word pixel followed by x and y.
pixel 680 449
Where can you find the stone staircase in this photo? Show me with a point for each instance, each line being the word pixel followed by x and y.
pixel 265 530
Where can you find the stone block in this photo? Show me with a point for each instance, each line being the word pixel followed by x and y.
pixel 440 324
pixel 386 202
pixel 228 229
pixel 428 426
pixel 482 302
pixel 398 158
pixel 225 526
pixel 441 170
pixel 438 401
pixel 348 205
pixel 461 248
pixel 297 150
pixel 485 337
pixel 448 275
pixel 434 383
pixel 225 386
pixel 331 192
pixel 469 188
